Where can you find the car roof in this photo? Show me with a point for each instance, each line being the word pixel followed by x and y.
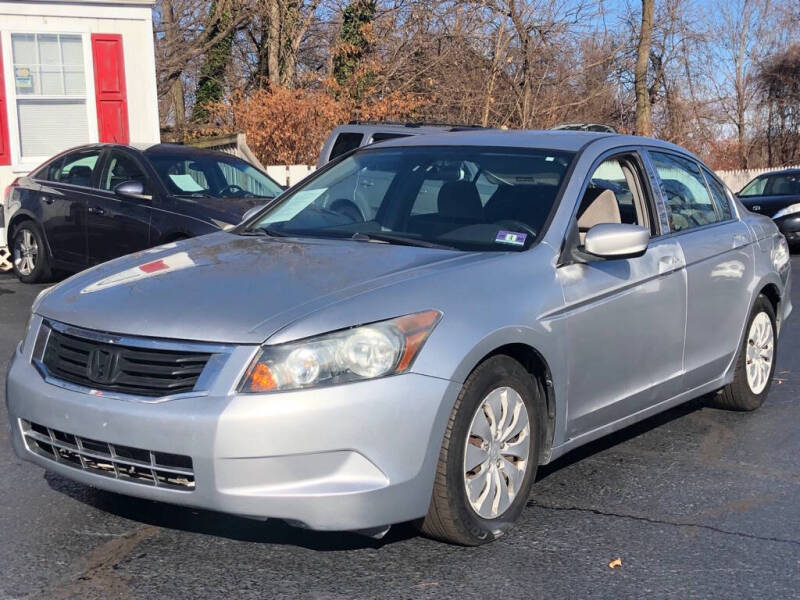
pixel 564 140
pixel 398 128
pixel 151 149
pixel 792 171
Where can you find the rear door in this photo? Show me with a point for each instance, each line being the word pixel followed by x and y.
pixel 118 225
pixel 719 263
pixel 64 195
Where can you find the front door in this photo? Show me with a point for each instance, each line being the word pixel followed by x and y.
pixel 118 225
pixel 625 318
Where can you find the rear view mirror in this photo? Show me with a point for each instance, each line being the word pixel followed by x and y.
pixel 616 240
pixel 131 189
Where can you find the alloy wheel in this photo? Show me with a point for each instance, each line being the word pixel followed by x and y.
pixel 497 452
pixel 26 252
pixel 760 350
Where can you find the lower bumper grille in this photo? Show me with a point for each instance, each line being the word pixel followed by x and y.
pixel 157 469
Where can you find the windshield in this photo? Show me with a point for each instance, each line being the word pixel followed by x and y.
pixel 467 198
pixel 193 174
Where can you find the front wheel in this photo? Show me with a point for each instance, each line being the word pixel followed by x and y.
pixel 756 363
pixel 489 455
pixel 29 254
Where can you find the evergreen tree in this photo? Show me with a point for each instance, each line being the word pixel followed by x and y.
pixel 210 87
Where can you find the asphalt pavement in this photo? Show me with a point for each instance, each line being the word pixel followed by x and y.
pixel 696 503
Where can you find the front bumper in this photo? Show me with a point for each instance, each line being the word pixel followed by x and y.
pixel 346 457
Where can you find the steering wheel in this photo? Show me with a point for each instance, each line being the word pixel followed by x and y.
pixel 515 225
pixel 233 190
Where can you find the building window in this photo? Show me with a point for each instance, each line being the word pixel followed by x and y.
pixel 50 86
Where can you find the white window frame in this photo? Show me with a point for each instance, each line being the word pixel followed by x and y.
pixel 20 164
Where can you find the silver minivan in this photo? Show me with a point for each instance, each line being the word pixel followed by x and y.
pixel 514 296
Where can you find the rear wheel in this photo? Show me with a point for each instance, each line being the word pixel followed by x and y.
pixel 29 254
pixel 489 455
pixel 756 363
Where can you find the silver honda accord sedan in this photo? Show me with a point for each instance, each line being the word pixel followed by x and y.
pixel 509 297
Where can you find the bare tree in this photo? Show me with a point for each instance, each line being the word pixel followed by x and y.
pixel 643 124
pixel 745 38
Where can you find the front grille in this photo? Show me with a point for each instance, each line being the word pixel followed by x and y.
pixel 117 368
pixel 157 469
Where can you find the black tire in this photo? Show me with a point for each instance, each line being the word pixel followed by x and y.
pixel 738 395
pixel 450 516
pixel 24 232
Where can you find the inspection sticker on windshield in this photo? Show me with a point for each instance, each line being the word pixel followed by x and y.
pixel 511 237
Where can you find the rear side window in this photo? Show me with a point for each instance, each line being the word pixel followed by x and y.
pixel 380 137
pixel 76 168
pixel 719 196
pixel 344 143
pixel 684 190
pixel 50 171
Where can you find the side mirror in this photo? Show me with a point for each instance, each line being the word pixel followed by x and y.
pixel 616 240
pixel 131 189
pixel 251 212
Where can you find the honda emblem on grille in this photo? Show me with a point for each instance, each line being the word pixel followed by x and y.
pixel 102 365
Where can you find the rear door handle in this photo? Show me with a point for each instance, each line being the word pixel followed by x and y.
pixel 48 199
pixel 96 210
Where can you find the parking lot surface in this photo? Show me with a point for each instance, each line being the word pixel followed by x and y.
pixel 696 502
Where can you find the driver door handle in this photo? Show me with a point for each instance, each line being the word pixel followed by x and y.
pixel 96 210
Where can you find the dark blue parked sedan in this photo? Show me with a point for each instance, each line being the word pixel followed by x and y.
pixel 97 202
pixel 776 195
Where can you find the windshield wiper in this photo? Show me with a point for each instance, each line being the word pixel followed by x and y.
pixel 399 240
pixel 268 231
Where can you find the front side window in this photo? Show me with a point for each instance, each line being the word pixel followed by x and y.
pixel 684 190
pixel 76 168
pixel 755 187
pixel 121 168
pixel 614 195
pixel 50 91
pixel 213 175
pixel 467 198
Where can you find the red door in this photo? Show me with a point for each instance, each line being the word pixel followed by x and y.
pixel 109 88
pixel 5 150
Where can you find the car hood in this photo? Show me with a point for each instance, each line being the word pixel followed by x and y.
pixel 231 209
pixel 232 289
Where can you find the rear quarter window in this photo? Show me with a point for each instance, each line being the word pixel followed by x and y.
pixel 344 143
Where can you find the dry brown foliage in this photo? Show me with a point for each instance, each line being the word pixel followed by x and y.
pixel 288 126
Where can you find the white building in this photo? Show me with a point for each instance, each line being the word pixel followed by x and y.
pixel 73 72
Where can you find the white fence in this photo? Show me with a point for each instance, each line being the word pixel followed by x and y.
pixel 289 174
pixel 736 180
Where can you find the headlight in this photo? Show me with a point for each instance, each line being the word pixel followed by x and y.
pixel 789 210
pixel 355 354
pixel 780 253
